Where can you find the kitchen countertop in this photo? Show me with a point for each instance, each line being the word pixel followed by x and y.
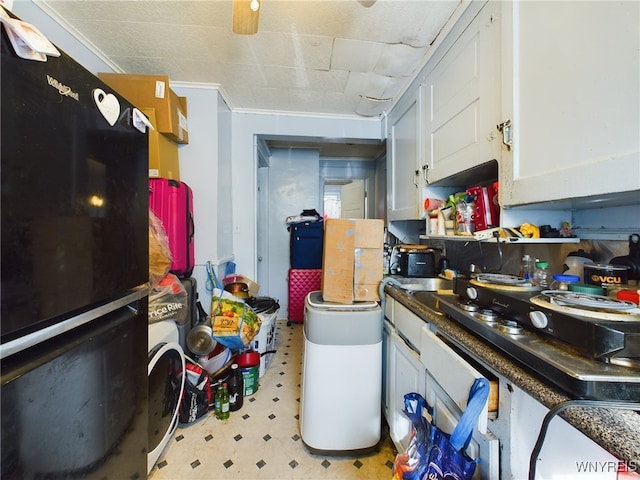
pixel 615 430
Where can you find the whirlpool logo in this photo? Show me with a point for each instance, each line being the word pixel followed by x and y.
pixel 62 88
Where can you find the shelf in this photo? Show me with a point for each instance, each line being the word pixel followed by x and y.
pixel 469 238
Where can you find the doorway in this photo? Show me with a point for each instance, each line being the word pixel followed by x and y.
pixel 294 176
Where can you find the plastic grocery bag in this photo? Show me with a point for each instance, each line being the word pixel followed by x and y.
pixel 433 454
pixel 168 300
pixel 233 321
pixel 159 253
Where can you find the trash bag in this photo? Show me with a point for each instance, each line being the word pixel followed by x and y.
pixel 197 398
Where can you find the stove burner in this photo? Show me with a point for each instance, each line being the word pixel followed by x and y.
pixel 511 327
pixel 469 307
pixel 487 315
pixel 578 366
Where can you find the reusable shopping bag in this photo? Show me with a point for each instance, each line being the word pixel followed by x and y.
pixel 433 454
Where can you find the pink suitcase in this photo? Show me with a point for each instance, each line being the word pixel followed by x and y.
pixel 172 202
pixel 301 282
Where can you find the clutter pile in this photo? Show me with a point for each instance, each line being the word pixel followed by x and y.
pixel 233 344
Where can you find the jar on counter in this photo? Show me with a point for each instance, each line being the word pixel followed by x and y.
pixel 541 275
pixel 562 282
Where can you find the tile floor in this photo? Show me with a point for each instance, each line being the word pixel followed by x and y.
pixel 262 439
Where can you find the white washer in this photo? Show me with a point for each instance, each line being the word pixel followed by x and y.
pixel 166 384
pixel 340 412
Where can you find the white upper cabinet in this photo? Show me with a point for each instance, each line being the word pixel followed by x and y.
pixel 571 86
pixel 461 100
pixel 403 177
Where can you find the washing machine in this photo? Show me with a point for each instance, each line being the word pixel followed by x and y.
pixel 166 384
pixel 341 392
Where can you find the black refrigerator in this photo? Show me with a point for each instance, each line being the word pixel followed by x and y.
pixel 74 285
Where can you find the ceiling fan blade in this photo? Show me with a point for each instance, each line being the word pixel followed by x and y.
pixel 245 20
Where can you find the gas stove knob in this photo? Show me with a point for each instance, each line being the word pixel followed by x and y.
pixel 472 293
pixel 538 319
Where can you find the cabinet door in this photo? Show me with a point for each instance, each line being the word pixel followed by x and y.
pixel 446 415
pixel 403 196
pixel 461 100
pixel 566 452
pixel 570 90
pixel 407 375
pixel 452 372
pixel 386 368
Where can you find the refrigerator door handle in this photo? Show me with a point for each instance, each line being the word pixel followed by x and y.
pixel 40 336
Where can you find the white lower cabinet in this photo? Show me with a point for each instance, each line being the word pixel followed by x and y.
pixel 448 379
pixel 405 374
pixel 566 452
pixel 507 430
pixel 386 357
pixel 484 446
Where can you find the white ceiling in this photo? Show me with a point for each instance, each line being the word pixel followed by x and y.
pixel 315 57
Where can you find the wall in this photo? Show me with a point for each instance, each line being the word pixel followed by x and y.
pixel 205 165
pixel 506 259
pixel 293 186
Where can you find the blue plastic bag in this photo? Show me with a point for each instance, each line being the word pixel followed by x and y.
pixel 433 454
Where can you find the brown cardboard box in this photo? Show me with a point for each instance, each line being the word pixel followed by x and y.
pixel 352 260
pixel 152 91
pixel 163 152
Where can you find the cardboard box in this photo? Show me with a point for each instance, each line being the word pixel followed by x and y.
pixel 152 91
pixel 352 260
pixel 163 152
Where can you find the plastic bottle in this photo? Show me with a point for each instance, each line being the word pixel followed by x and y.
pixel 224 402
pixel 541 275
pixel 236 388
pixel 526 267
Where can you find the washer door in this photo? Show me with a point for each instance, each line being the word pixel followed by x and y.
pixel 166 384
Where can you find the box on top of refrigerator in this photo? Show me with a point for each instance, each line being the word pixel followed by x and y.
pixel 352 260
pixel 152 91
pixel 163 152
